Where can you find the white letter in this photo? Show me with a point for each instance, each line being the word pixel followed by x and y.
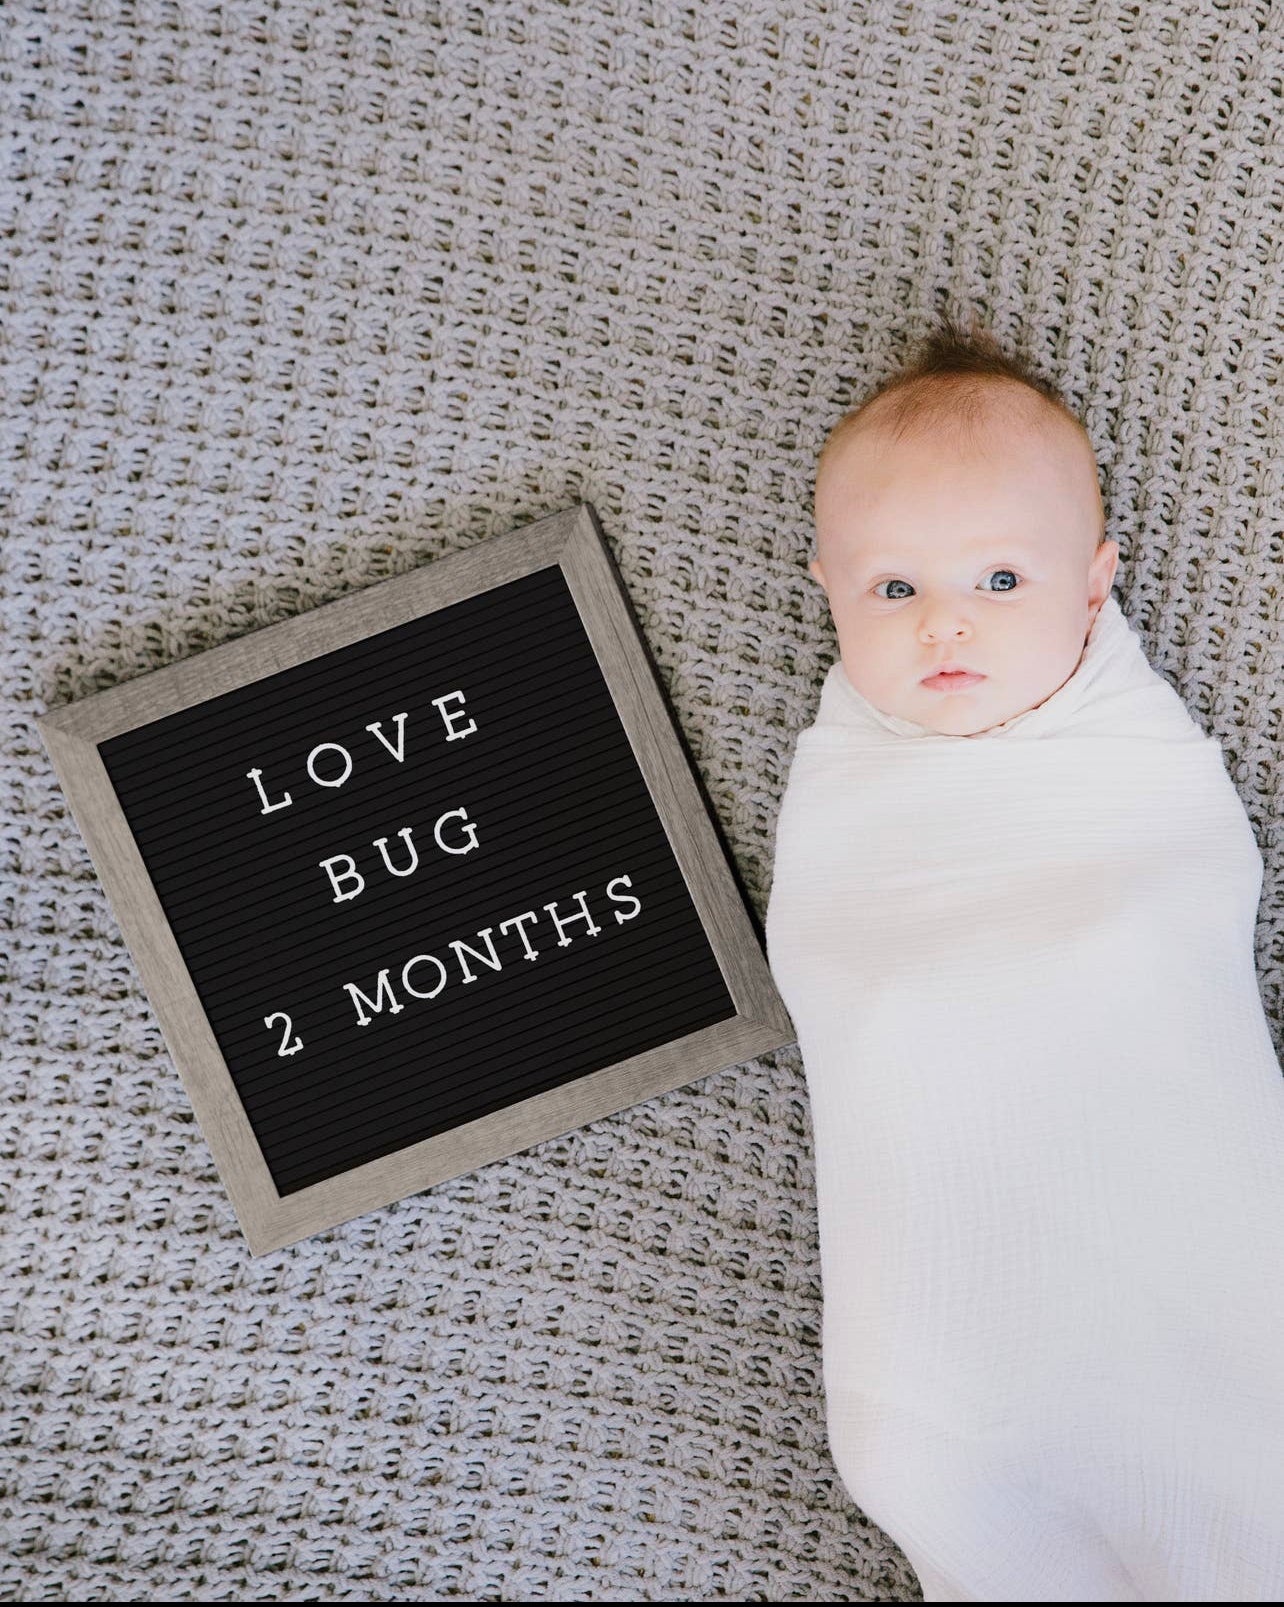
pixel 445 847
pixel 453 714
pixel 405 973
pixel 399 752
pixel 564 942
pixel 527 915
pixel 267 807
pixel 320 780
pixel 619 899
pixel 495 963
pixel 359 998
pixel 381 842
pixel 334 880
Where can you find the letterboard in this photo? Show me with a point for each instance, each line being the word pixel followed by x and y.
pixel 423 884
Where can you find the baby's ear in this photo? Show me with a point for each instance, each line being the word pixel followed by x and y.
pixel 817 573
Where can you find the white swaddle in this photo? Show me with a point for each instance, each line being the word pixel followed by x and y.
pixel 1049 1139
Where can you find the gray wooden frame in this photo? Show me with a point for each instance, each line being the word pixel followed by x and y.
pixel 574 540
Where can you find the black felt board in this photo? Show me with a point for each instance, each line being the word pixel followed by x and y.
pixel 548 781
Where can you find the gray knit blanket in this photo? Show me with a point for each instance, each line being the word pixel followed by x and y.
pixel 297 296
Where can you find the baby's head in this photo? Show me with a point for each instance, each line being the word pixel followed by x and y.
pixel 959 521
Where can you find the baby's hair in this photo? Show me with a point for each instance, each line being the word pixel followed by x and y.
pixel 949 383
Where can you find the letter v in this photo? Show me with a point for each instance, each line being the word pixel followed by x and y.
pixel 399 752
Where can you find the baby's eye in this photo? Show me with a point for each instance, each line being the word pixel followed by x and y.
pixel 897 582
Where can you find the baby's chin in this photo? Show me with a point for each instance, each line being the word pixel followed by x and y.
pixel 971 713
pixel 964 727
pixel 967 713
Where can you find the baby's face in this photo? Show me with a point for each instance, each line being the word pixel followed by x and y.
pixel 984 556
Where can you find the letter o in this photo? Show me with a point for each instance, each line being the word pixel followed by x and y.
pixel 320 780
pixel 405 974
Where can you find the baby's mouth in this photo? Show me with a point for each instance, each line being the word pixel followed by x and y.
pixel 951 680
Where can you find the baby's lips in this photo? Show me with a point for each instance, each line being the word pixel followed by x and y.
pixel 952 668
pixel 944 680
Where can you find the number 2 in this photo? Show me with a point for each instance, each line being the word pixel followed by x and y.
pixel 286 1047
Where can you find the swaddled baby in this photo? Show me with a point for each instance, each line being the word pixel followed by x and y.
pixel 1012 917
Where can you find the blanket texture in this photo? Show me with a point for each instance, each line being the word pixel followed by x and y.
pixel 1049 1137
pixel 297 296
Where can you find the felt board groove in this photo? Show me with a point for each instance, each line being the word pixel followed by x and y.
pixel 270 734
pixel 443 1111
pixel 199 891
pixel 466 1038
pixel 551 786
pixel 229 750
pixel 636 813
pixel 524 989
pixel 231 958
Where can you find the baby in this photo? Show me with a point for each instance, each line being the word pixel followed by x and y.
pixel 975 495
pixel 1012 917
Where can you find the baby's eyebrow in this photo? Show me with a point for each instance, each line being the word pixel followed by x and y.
pixel 999 547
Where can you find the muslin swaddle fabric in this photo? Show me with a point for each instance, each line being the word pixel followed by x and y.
pixel 1049 1139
